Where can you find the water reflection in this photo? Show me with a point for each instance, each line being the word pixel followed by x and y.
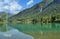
pixel 14 34
pixel 37 27
pixel 53 25
pixel 7 32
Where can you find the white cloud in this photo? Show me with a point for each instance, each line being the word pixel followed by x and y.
pixel 30 2
pixel 6 7
pixel 11 5
pixel 15 7
pixel 1 4
pixel 7 1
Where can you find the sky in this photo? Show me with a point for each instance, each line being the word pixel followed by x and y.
pixel 15 6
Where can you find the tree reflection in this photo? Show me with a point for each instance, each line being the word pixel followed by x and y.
pixel 53 25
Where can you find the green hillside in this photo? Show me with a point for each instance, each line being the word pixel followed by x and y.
pixel 45 11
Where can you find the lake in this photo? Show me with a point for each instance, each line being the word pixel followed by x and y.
pixel 31 31
pixel 40 31
pixel 14 34
pixel 7 32
pixel 37 27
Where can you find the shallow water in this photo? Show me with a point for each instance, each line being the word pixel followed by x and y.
pixel 14 31
pixel 14 34
pixel 37 27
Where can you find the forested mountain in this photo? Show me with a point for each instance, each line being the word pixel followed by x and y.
pixel 45 10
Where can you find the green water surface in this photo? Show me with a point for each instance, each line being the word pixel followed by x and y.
pixel 37 27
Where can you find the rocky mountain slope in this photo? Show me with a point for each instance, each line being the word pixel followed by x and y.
pixel 43 9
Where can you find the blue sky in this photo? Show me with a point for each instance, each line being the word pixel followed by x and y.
pixel 15 6
pixel 28 3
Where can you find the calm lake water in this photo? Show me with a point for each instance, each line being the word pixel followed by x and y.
pixel 37 27
pixel 14 31
pixel 14 34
